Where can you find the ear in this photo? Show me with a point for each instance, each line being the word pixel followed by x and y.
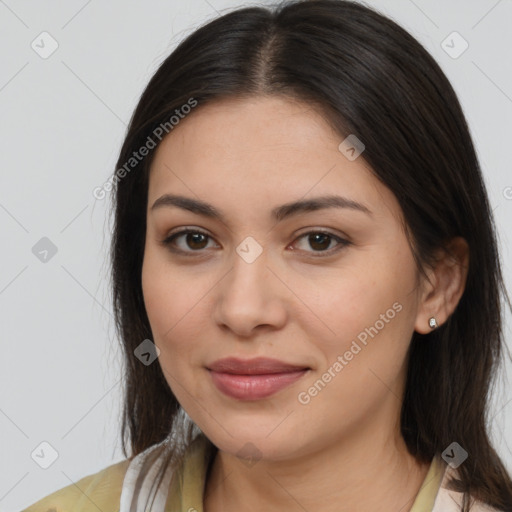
pixel 445 285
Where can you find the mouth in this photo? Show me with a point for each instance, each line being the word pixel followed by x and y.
pixel 254 379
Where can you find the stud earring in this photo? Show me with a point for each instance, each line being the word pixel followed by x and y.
pixel 432 323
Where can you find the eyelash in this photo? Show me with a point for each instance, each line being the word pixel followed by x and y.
pixel 168 242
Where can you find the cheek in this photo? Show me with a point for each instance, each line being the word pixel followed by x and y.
pixel 362 366
pixel 373 307
pixel 175 303
pixel 167 295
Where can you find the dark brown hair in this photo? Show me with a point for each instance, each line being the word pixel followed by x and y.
pixel 369 77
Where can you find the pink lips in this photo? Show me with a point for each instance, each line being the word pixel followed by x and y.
pixel 253 379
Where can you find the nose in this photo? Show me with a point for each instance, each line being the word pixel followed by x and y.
pixel 250 296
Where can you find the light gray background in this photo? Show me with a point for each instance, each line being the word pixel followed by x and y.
pixel 62 122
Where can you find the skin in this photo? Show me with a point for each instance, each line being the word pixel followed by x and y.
pixel 292 303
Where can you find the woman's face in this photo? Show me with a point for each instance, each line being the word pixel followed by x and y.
pixel 329 291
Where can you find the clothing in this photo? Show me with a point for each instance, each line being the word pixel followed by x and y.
pixel 125 486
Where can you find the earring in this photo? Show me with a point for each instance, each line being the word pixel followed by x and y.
pixel 432 323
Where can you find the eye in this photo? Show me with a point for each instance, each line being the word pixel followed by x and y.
pixel 192 240
pixel 321 242
pixel 189 241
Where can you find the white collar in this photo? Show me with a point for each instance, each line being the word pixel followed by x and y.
pixel 138 484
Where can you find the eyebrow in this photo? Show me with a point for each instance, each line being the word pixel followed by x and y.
pixel 278 213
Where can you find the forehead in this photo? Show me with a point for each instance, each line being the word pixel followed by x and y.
pixel 252 126
pixel 259 151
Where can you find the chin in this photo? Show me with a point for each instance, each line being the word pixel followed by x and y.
pixel 253 443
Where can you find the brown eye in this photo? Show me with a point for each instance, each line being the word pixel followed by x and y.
pixel 187 241
pixel 322 242
pixel 195 240
pixel 319 241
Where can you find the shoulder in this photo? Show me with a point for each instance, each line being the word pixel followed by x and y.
pixel 448 500
pixel 101 490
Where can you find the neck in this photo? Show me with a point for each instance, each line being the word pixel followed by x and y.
pixel 370 470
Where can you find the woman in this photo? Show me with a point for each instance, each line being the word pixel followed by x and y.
pixel 306 278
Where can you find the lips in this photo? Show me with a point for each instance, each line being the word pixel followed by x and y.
pixel 253 379
pixel 256 366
